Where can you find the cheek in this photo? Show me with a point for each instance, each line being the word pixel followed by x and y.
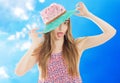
pixel 65 29
pixel 55 34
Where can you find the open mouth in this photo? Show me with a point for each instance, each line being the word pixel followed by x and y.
pixel 60 34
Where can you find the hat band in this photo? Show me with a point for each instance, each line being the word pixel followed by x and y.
pixel 55 18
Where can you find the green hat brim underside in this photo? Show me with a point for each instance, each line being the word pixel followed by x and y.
pixel 53 25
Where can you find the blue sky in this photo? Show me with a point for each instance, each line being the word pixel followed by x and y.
pixel 17 17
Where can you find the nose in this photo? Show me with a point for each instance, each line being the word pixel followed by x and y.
pixel 60 28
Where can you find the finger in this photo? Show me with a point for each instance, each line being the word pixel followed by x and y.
pixel 34 29
pixel 29 32
pixel 78 8
pixel 82 4
pixel 78 4
pixel 77 14
pixel 40 32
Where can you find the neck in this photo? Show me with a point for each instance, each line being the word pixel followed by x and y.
pixel 59 44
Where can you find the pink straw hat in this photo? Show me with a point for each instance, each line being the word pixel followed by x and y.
pixel 54 15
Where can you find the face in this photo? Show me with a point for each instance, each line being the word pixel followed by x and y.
pixel 60 31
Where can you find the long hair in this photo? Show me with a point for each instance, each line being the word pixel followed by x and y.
pixel 69 51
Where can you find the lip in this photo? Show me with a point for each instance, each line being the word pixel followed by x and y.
pixel 60 32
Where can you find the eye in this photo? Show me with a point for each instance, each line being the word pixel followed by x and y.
pixel 66 22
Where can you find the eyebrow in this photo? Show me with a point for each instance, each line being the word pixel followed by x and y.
pixel 67 20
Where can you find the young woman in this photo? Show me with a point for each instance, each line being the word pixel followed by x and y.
pixel 57 53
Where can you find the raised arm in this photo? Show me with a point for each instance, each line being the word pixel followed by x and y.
pixel 28 61
pixel 92 41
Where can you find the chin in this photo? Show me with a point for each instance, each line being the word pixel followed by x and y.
pixel 58 38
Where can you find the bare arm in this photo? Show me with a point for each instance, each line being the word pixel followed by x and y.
pixel 92 41
pixel 28 61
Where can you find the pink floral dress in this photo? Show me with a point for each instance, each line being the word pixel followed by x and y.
pixel 57 71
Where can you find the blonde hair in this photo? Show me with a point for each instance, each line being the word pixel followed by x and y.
pixel 70 52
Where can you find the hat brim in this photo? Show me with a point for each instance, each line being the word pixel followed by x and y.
pixel 53 25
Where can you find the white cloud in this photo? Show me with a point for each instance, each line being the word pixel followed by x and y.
pixel 20 34
pixel 3 73
pixel 17 35
pixel 3 33
pixel 20 13
pixel 41 1
pixel 29 6
pixel 18 8
pixel 25 46
pixel 11 37
pixel 28 26
pixel 4 3
pixel 24 30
